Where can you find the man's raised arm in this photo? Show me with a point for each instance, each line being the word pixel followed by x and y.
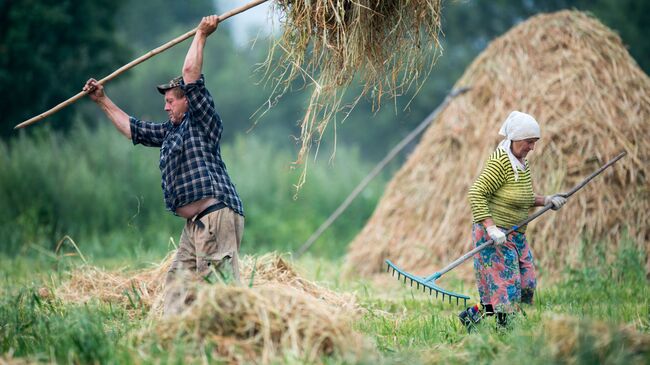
pixel 119 118
pixel 194 58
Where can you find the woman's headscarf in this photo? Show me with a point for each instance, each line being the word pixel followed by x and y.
pixel 516 127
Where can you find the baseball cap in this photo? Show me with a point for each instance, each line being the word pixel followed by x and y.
pixel 175 82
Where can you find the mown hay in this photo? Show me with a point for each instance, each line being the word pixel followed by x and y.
pixel 282 314
pixel 573 341
pixel 263 324
pixel 131 290
pixel 144 288
pixel 390 45
pixel 592 101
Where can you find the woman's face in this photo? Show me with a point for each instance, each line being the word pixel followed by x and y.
pixel 521 148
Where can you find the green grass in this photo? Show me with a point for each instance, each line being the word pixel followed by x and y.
pixel 419 329
pixel 403 325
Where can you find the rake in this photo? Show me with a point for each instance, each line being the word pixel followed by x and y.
pixel 429 282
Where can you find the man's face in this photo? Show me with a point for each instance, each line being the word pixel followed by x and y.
pixel 175 106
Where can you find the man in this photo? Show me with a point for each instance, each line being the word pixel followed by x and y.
pixel 195 182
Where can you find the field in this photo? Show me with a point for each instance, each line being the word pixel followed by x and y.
pixel 597 312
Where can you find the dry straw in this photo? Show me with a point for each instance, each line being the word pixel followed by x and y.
pixel 390 45
pixel 569 338
pixel 144 287
pixel 592 101
pixel 262 325
pixel 282 314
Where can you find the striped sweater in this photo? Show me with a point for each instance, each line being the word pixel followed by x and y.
pixel 496 194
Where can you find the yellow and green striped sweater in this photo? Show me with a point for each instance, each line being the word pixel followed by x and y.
pixel 496 194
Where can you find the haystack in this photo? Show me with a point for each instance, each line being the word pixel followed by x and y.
pixel 592 101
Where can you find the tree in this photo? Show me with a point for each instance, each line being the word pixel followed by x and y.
pixel 47 50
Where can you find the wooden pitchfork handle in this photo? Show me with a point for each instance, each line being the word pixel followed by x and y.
pixel 548 206
pixel 135 62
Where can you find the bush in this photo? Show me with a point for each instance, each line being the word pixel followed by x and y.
pixel 95 187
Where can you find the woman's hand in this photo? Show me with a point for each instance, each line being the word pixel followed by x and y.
pixel 496 234
pixel 557 200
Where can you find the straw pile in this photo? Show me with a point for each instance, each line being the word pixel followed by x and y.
pixel 281 313
pixel 592 101
pixel 144 288
pixel 571 340
pixel 390 45
pixel 134 291
pixel 245 325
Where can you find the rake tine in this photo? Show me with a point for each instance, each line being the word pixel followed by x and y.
pixel 387 268
pixel 426 282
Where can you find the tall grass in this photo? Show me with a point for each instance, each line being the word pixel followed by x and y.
pixel 64 334
pixel 596 314
pixel 97 188
pixel 578 320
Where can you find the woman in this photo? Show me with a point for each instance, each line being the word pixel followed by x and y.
pixel 501 198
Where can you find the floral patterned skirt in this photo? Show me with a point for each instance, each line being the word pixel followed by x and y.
pixel 505 274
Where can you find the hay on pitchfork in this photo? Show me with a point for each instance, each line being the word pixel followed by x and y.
pixel 592 102
pixel 390 45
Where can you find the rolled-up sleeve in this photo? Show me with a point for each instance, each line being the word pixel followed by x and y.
pixel 201 108
pixel 147 133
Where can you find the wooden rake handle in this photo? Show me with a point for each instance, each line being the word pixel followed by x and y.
pixel 135 62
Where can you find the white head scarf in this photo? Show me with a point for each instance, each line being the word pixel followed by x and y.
pixel 516 127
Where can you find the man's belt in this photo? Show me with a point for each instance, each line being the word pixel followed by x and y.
pixel 212 208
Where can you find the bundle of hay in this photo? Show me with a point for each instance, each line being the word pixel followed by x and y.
pixel 280 314
pixel 143 289
pixel 592 101
pixel 262 325
pixel 572 340
pixel 389 44
pixel 132 290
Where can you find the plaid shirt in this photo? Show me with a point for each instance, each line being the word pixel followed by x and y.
pixel 190 155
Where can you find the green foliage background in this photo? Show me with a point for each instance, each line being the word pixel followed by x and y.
pixel 94 186
pixel 72 174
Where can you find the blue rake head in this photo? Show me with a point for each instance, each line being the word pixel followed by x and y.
pixel 427 283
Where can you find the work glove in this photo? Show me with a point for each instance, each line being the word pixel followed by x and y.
pixel 557 200
pixel 496 235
